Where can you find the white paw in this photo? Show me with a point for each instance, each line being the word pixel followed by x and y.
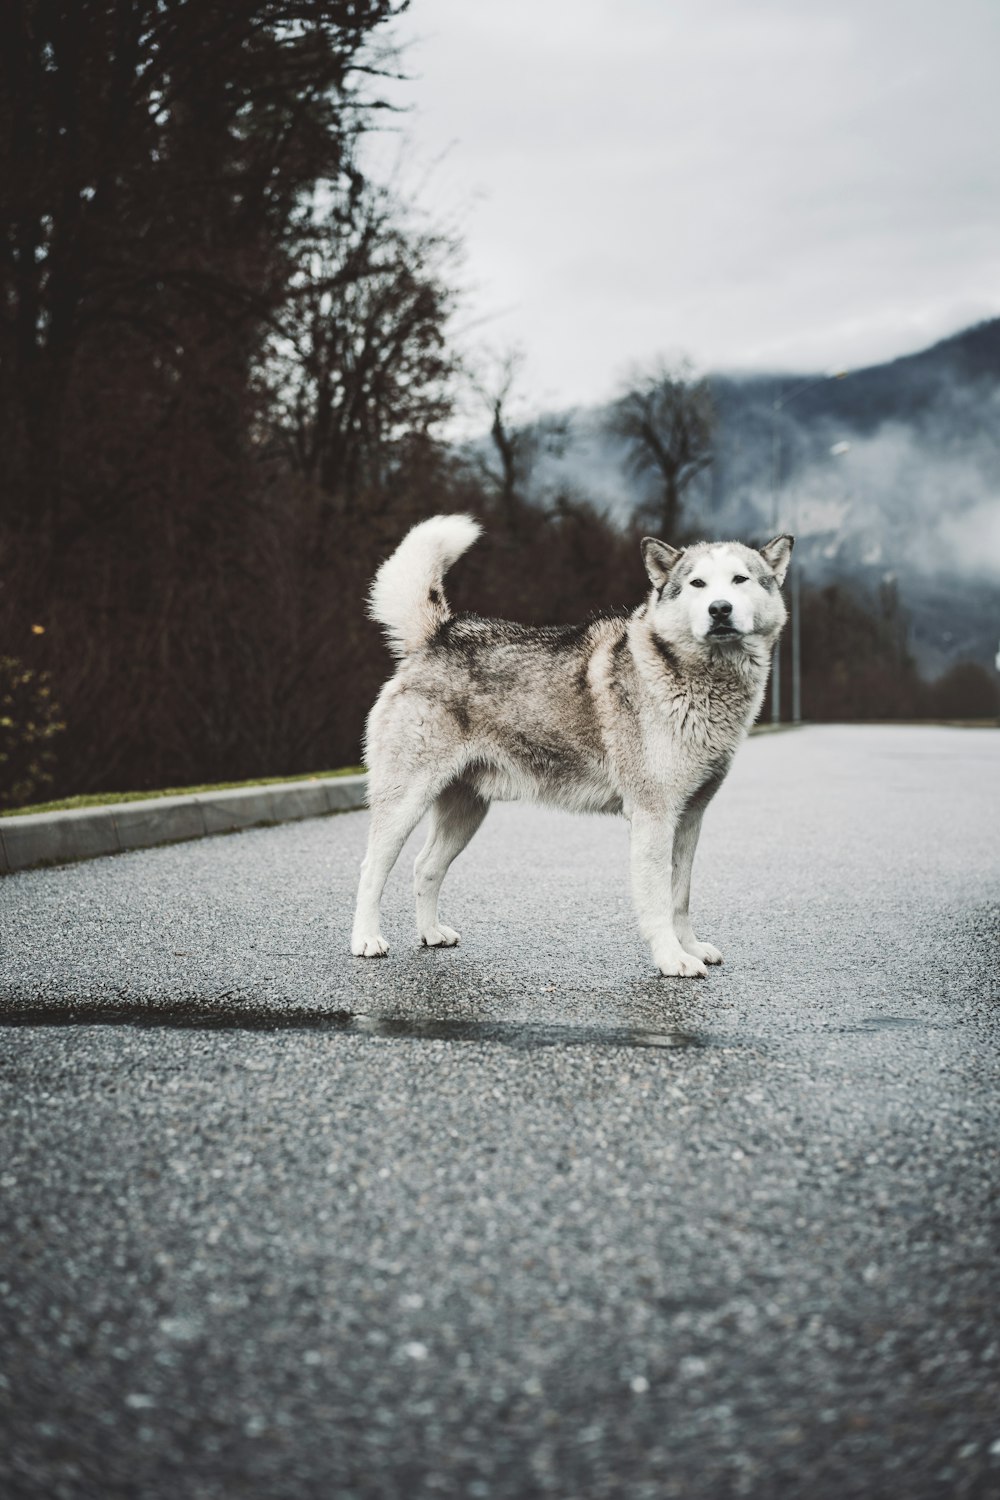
pixel 370 947
pixel 679 964
pixel 704 951
pixel 439 937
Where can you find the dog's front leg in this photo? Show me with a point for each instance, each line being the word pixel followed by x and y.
pixel 652 858
pixel 685 844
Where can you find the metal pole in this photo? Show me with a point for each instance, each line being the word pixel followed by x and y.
pixel 775 485
pixel 796 582
pixel 796 643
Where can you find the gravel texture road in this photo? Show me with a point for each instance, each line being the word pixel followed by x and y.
pixel 556 1227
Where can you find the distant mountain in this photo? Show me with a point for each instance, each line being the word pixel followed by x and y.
pixel 892 470
pixel 903 390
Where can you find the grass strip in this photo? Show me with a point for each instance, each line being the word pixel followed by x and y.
pixel 103 799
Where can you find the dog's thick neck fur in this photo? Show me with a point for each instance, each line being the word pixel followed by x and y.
pixel 716 689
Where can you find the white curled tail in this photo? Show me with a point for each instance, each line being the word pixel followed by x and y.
pixel 407 593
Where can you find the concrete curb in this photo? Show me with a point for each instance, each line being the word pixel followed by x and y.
pixel 55 838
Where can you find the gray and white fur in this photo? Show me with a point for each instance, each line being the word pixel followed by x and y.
pixel 635 714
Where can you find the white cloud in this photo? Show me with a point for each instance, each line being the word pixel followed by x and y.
pixel 760 184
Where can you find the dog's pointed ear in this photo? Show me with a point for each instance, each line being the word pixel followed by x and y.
pixel 660 560
pixel 778 554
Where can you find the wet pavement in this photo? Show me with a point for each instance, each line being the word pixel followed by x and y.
pixel 520 1218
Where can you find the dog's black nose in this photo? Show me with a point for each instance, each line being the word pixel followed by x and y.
pixel 720 609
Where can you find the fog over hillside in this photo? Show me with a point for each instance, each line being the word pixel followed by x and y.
pixel 889 470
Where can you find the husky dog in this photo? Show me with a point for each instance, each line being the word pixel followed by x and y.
pixel 637 714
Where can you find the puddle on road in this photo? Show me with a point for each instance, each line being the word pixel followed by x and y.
pixel 524 1033
pixel 225 1015
pixel 190 1015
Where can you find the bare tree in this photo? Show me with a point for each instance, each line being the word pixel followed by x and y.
pixel 357 362
pixel 517 445
pixel 666 419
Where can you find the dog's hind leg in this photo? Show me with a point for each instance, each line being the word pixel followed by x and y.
pixel 455 817
pixel 392 822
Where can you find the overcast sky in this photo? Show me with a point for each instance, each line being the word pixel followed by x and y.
pixel 758 184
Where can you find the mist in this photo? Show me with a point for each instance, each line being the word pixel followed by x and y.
pixel 889 472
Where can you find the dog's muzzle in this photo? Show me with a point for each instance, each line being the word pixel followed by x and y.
pixel 722 627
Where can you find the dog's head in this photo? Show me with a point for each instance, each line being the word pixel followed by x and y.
pixel 719 596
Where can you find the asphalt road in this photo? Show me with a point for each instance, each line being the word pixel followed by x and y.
pixel 565 1228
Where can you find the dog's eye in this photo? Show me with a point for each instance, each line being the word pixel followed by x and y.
pixel 698 583
pixel 740 578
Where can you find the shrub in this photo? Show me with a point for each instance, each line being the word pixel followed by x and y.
pixel 29 728
pixel 966 691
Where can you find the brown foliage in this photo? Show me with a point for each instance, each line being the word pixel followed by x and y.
pixel 965 691
pixel 855 662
